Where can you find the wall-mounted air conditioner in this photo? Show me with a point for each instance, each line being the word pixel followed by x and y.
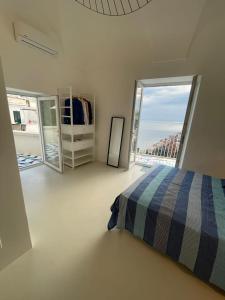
pixel 32 37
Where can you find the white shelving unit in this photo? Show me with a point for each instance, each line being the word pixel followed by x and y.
pixel 78 141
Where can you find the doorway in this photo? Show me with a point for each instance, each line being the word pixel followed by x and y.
pixel 35 122
pixel 24 118
pixel 161 115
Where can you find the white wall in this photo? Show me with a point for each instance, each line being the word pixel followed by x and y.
pixel 114 52
pixel 27 143
pixel 29 69
pixel 105 56
pixel 206 149
pixel 114 86
pixel 14 231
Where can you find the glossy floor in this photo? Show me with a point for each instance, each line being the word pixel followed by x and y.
pixel 73 255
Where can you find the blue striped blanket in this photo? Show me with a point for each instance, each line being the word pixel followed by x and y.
pixel 180 213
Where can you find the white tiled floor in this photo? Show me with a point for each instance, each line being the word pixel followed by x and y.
pixel 75 258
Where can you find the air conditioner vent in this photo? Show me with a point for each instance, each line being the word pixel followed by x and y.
pixel 34 38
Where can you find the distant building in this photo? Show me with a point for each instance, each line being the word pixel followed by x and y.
pixel 167 147
pixel 23 113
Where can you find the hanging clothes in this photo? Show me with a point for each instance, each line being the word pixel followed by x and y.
pixel 82 112
pixel 86 120
pixel 78 114
pixel 89 111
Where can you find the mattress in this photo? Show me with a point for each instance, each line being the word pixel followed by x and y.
pixel 181 214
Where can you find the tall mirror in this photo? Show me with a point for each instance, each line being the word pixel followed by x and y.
pixel 115 141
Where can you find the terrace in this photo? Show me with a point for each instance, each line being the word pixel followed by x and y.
pixel 164 152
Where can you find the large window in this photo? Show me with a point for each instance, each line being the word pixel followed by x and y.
pixel 161 123
pixel 161 120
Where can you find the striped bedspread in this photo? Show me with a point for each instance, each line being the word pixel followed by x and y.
pixel 180 213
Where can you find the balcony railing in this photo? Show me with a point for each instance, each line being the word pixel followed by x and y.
pixel 150 160
pixel 164 152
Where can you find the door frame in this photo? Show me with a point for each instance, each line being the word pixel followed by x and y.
pixel 194 81
pixel 61 165
pixel 34 95
pixel 137 82
pixel 187 119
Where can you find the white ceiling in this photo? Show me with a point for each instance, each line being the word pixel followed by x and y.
pixel 161 31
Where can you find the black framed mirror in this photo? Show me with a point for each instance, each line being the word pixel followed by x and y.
pixel 115 141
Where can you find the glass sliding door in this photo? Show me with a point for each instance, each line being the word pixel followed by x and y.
pixel 135 122
pixel 50 132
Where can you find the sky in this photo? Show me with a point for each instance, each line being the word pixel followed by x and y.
pixel 162 114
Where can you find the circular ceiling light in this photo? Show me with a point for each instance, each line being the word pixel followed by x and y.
pixel 113 7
